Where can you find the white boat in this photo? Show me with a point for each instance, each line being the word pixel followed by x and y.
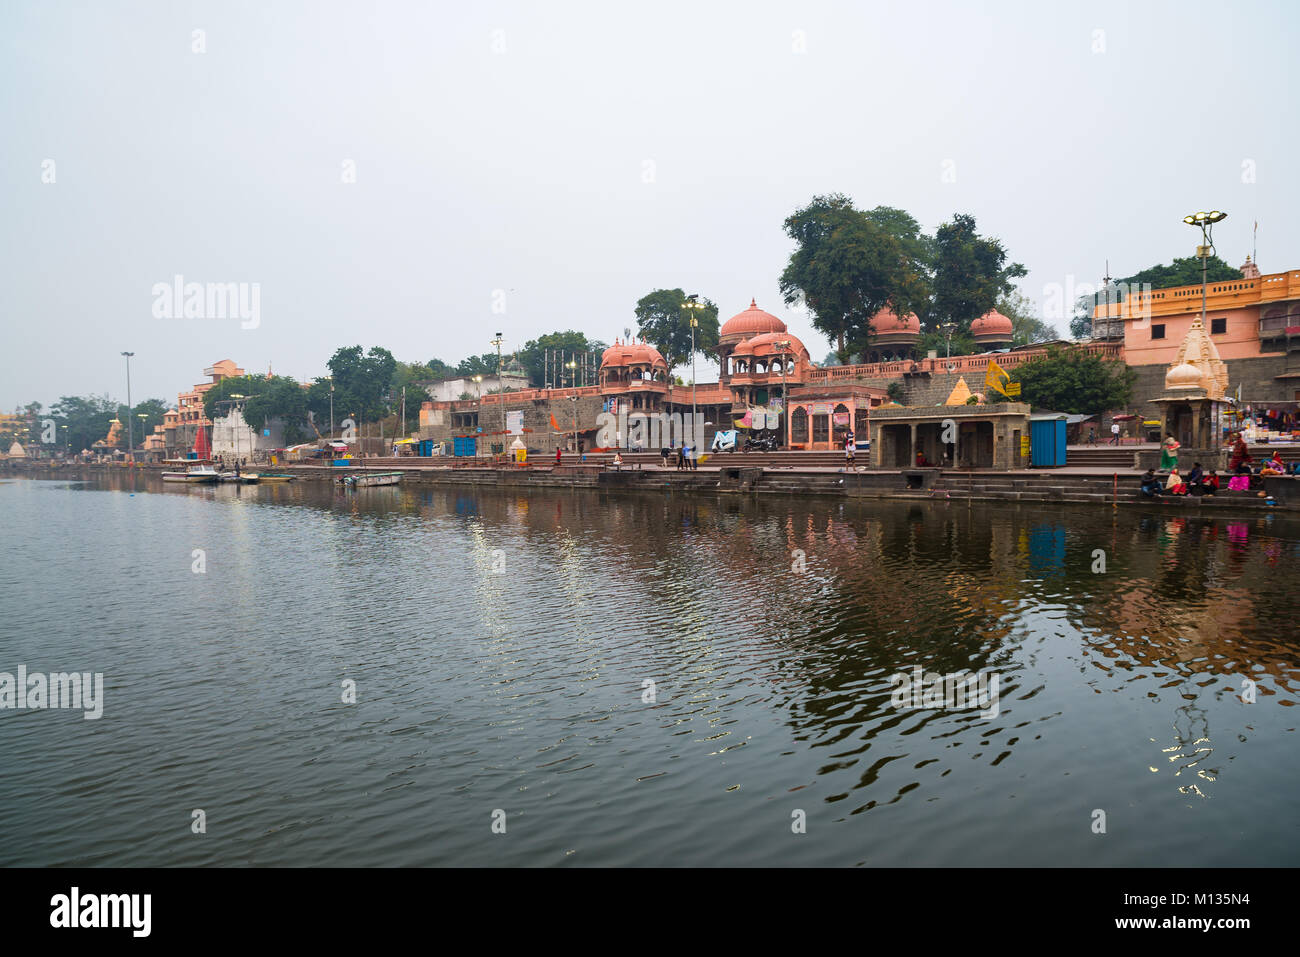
pixel 370 479
pixel 247 478
pixel 199 474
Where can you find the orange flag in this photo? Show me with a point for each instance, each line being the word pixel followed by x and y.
pixel 555 425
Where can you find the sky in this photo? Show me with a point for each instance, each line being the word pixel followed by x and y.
pixel 420 176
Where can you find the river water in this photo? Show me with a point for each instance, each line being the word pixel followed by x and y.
pixel 641 678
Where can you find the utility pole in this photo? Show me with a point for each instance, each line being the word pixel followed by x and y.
pixel 496 341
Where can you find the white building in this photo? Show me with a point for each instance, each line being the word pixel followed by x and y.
pixel 235 438
pixel 449 390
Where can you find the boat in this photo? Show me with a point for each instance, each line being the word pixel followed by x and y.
pixel 264 477
pixel 246 478
pixel 195 475
pixel 370 479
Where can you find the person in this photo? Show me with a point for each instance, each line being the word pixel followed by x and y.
pixel 681 458
pixel 1196 480
pixel 1092 435
pixel 664 452
pixel 850 447
pixel 1175 484
pixel 558 452
pixel 1114 433
pixel 1150 484
pixel 1274 466
pixel 1239 463
pixel 691 465
pixel 1211 483
pixel 1169 453
pixel 618 461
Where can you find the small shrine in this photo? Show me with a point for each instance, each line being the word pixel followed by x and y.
pixel 1191 407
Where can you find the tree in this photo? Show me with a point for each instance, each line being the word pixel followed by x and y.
pixel 936 340
pixel 1074 381
pixel 265 398
pixel 970 274
pixel 1026 327
pixel 848 265
pixel 153 411
pixel 362 381
pixel 533 356
pixel 87 419
pixel 896 392
pixel 664 320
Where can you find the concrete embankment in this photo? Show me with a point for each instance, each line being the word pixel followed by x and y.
pixel 1088 487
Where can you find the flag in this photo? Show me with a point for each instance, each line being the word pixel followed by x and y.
pixel 996 378
pixel 555 425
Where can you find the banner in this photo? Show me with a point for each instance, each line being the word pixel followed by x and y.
pixel 774 420
pixel 515 422
pixel 821 408
pixel 841 418
pixel 996 378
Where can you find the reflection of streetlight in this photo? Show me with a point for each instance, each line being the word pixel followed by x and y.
pixel 1206 221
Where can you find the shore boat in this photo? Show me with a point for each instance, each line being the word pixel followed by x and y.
pixel 199 474
pixel 245 478
pixel 264 477
pixel 370 479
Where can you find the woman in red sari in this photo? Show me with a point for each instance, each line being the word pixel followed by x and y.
pixel 1240 456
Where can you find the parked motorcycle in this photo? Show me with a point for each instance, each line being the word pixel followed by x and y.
pixel 761 443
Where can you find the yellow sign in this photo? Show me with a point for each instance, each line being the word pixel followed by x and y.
pixel 1013 390
pixel 1024 446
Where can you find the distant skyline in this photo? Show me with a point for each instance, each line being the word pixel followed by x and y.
pixel 395 173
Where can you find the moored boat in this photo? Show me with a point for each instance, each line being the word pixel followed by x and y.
pixel 370 479
pixel 264 477
pixel 199 474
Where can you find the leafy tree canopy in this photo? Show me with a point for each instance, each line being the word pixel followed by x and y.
pixel 970 274
pixel 276 397
pixel 1074 381
pixel 664 320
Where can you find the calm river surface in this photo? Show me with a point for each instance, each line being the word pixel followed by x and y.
pixel 500 646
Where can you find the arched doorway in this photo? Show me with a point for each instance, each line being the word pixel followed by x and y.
pixel 799 426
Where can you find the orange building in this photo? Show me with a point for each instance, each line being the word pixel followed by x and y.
pixel 180 425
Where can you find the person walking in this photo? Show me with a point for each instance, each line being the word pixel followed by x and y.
pixel 1092 435
pixel 1169 453
pixel 850 449
pixel 692 458
pixel 1114 433
pixel 558 452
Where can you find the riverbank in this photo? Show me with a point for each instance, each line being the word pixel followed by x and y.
pixel 1084 486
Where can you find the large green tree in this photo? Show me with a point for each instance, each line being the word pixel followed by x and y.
pixel 1026 327
pixel 664 320
pixel 971 273
pixel 847 265
pixel 1072 380
pixel 362 381
pixel 276 397
pixel 87 418
pixel 540 369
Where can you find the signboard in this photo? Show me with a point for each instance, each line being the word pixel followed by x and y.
pixel 515 422
pixel 1012 390
pixel 821 408
pixel 1024 446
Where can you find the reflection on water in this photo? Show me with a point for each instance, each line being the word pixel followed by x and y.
pixel 503 648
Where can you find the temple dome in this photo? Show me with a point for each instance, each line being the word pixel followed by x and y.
pixel 753 321
pixel 991 324
pixel 766 345
pixel 632 353
pixel 1184 376
pixel 887 322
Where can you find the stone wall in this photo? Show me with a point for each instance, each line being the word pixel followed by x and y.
pixel 537 417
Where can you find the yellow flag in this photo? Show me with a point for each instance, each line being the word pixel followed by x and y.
pixel 995 377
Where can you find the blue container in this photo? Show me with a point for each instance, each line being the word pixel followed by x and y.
pixel 343 463
pixel 1047 442
pixel 464 445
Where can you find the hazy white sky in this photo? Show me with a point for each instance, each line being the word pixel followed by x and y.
pixel 577 155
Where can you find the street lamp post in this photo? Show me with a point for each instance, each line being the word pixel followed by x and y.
pixel 572 366
pixel 783 345
pixel 1206 222
pixel 130 440
pixel 948 329
pixel 693 304
pixel 478 412
pixel 331 407
pixel 496 341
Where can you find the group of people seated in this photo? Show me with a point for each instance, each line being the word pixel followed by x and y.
pixel 1197 482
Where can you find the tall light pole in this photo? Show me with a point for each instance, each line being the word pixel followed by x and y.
pixel 693 304
pixel 331 407
pixel 496 341
pixel 130 441
pixel 783 345
pixel 572 366
pixel 948 329
pixel 1206 222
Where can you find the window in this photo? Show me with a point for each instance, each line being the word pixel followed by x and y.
pixel 1218 326
pixel 1158 331
pixel 799 426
